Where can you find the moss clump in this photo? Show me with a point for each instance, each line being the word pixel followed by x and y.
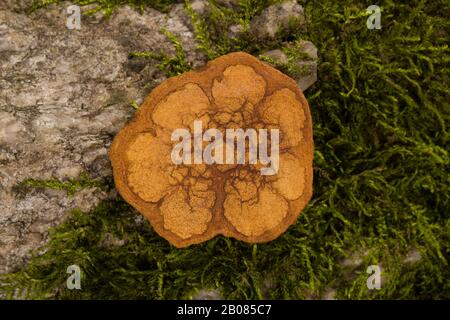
pixel 382 183
pixel 212 31
pixel 171 66
pixel 71 186
pixel 108 6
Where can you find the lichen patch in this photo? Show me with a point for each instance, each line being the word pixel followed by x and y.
pixel 191 201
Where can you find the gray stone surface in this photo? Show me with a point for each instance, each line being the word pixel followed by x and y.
pixel 274 17
pixel 207 294
pixel 329 294
pixel 201 7
pixel 235 30
pixel 63 96
pixel 276 55
pixel 308 63
pixel 229 3
pixel 413 256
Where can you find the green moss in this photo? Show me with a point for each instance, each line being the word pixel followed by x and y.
pixel 291 67
pixel 134 105
pixel 171 66
pixel 212 31
pixel 71 186
pixel 108 6
pixel 381 187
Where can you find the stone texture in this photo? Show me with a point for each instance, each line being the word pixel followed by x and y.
pixel 276 55
pixel 229 3
pixel 207 294
pixel 15 5
pixel 413 256
pixel 201 7
pixel 329 294
pixel 235 30
pixel 307 64
pixel 274 17
pixel 63 95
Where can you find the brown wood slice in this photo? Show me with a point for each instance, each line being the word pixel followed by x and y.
pixel 191 203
